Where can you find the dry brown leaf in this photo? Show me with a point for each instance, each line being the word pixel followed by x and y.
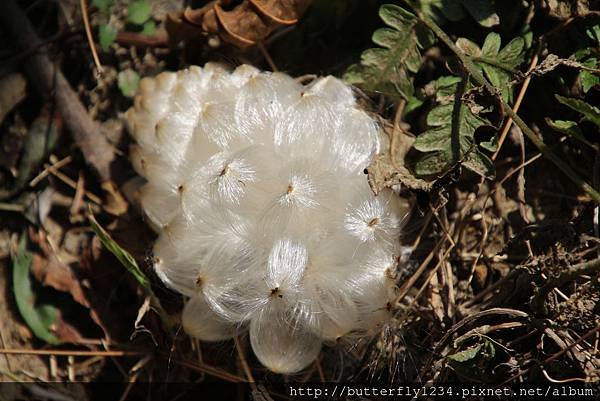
pixel 52 270
pixel 244 25
pixel 285 12
pixel 564 9
pixel 388 169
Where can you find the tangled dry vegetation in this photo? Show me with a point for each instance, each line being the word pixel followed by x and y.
pixel 502 285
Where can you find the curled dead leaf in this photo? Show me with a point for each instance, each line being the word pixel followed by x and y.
pixel 388 169
pixel 244 25
pixel 53 268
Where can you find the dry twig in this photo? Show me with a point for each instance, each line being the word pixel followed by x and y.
pixel 50 81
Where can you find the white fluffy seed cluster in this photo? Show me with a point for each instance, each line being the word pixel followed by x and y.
pixel 266 222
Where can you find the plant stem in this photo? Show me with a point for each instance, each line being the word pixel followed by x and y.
pixel 479 78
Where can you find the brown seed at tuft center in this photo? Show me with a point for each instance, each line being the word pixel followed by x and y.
pixel 290 189
pixel 224 171
pixel 373 222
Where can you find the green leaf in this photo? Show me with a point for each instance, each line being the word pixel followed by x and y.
pixel 103 5
pixel 451 136
pixel 566 127
pixel 138 12
pixel 466 355
pixel 412 104
pixel 491 45
pixel 512 53
pixel 128 82
pixel 590 113
pixel 40 318
pixel 589 80
pixel 432 163
pixel 499 65
pixel 445 87
pixel 569 128
pixel 107 36
pixel 122 255
pixel 149 28
pixel 132 267
pixel 386 69
pixel 593 33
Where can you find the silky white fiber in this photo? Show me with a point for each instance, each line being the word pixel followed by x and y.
pixel 255 185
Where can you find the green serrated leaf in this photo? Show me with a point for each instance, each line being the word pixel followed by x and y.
pixel 491 45
pixel 450 138
pixel 512 53
pixel 466 355
pixel 107 35
pixel 590 113
pixel 500 65
pixel 40 318
pixel 138 12
pixel 128 82
pixel 385 69
pixel 103 5
pixel 396 16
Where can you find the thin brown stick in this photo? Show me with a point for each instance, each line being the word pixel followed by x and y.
pixel 130 383
pixel 59 164
pixel 516 105
pixel 320 369
pixel 62 352
pixel 417 240
pixel 267 56
pixel 49 80
pixel 58 174
pixel 90 37
pixel 554 356
pixel 407 285
pixel 244 362
pixel 210 370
